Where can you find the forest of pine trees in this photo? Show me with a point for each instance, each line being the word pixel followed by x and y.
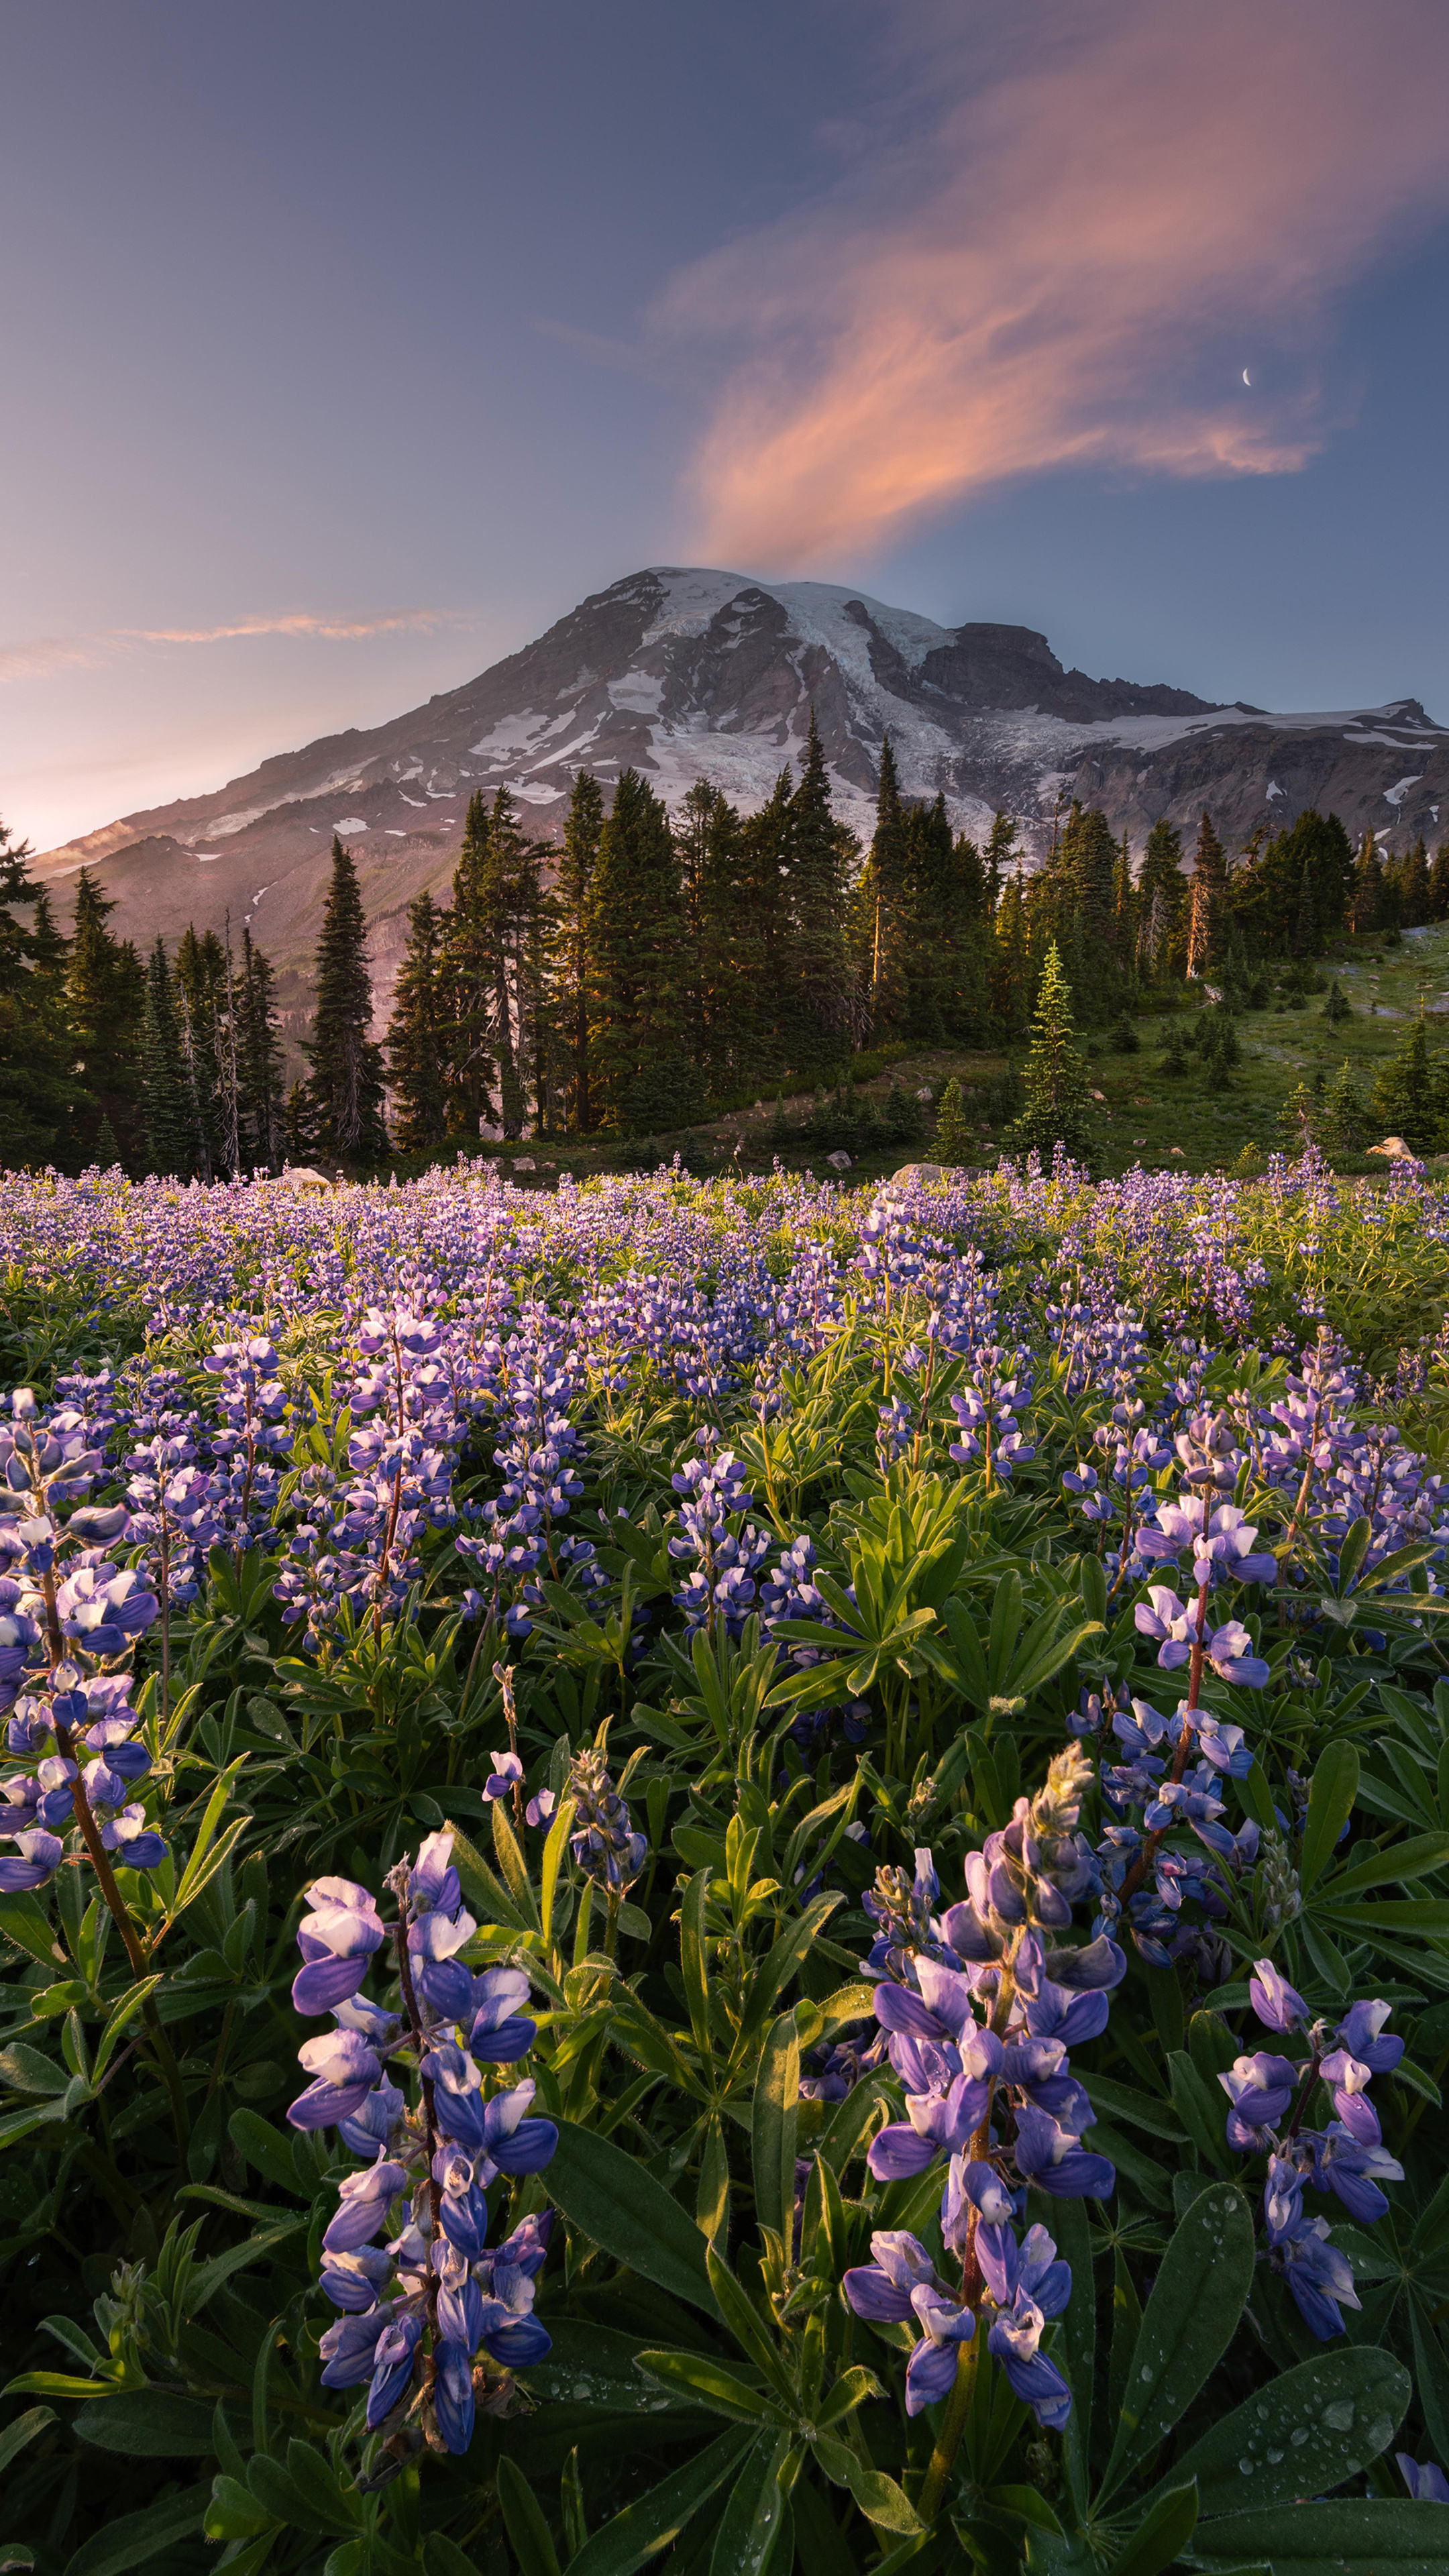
pixel 165 1065
pixel 651 968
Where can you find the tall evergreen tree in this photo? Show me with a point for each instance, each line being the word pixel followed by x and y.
pixel 201 980
pixel 38 1090
pixel 1209 893
pixel 1124 905
pixel 820 986
pixel 165 1086
pixel 345 1089
pixel 107 994
pixel 417 1037
pixel 720 978
pixel 1162 900
pixel 881 902
pixel 1367 900
pixel 1000 859
pixel 259 1058
pixel 1011 959
pixel 635 1004
pixel 1439 884
pixel 575 878
pixel 469 975
pixel 1058 1094
pixel 1409 1093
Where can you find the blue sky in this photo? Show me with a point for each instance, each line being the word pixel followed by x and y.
pixel 350 345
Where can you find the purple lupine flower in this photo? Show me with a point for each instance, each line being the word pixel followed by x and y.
pixel 1426 2484
pixel 129 1837
pixel 881 2290
pixel 1014 2340
pixel 1359 2031
pixel 40 1854
pixel 365 2199
pixel 1260 2089
pixel 453 2392
pixel 393 2359
pixel 946 2324
pixel 501 2032
pixel 1349 2079
pixel 1319 2275
pixel 539 1809
pixel 336 1939
pixel 352 2280
pixel 345 2069
pixel 439 1975
pixel 349 2349
pixel 1054 2159
pixel 506 1773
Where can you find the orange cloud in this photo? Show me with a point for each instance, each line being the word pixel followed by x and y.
pixel 1068 265
pixel 46 656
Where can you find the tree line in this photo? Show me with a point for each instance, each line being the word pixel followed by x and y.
pixel 161 1064
pixel 650 969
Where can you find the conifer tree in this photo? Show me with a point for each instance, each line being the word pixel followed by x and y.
pixel 1346 1114
pixel 416 1041
pixel 469 975
pixel 297 1125
pixel 1408 1095
pixel 720 974
pixel 259 1058
pixel 819 981
pixel 766 928
pixel 1011 961
pixel 1439 884
pixel 635 1003
pixel 345 1089
pixel 1162 901
pixel 575 878
pixel 881 901
pixel 1297 1120
pixel 38 1090
pixel 1058 1094
pixel 954 1141
pixel 1209 890
pixel 1367 899
pixel 1001 859
pixel 201 979
pixel 107 988
pixel 165 1084
pixel 1124 905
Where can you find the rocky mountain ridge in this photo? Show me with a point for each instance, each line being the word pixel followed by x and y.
pixel 684 672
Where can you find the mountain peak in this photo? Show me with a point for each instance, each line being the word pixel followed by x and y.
pixel 686 670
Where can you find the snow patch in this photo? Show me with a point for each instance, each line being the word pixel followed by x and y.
pixel 1274 790
pixel 1395 795
pixel 351 823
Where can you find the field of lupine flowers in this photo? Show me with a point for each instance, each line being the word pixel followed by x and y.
pixel 738 1876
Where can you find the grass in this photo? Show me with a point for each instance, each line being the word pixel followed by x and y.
pixel 1191 1122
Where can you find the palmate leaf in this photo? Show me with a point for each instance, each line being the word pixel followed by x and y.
pixel 659 2517
pixel 755 2513
pixel 149 2424
pixel 624 2211
pixel 773 2127
pixel 1380 2537
pixel 1318 2425
pixel 1188 2324
pixel 138 2537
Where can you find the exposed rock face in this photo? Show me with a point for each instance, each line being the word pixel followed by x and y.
pixel 686 673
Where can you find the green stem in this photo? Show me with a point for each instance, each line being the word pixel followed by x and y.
pixel 958 2407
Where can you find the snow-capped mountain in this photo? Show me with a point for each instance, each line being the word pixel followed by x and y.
pixel 686 673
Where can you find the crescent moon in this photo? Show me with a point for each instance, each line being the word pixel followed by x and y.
pixel 1247 379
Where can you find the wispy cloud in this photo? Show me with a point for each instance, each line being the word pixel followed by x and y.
pixel 1069 264
pixel 46 657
